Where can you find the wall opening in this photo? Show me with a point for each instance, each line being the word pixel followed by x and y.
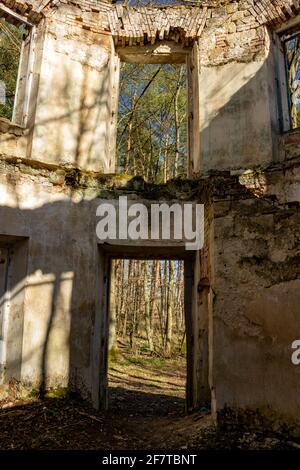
pixel 147 336
pixel 15 66
pixel 4 272
pixel 152 136
pixel 196 347
pixel 13 270
pixel 286 42
pixel 291 49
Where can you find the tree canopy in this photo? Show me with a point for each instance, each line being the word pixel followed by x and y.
pixel 152 128
pixel 11 39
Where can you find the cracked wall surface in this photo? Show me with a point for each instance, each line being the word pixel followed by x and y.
pixel 256 288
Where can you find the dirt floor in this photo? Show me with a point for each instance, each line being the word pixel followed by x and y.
pixel 146 413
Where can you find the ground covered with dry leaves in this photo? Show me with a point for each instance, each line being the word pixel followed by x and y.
pixel 146 413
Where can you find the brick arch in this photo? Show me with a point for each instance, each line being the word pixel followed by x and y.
pixel 34 10
pixel 31 10
pixel 145 25
pixel 274 12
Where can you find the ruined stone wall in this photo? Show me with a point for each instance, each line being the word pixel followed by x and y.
pixel 56 224
pixel 74 110
pixel 73 94
pixel 238 115
pixel 245 280
pixel 50 214
pixel 13 140
pixel 73 105
pixel 256 287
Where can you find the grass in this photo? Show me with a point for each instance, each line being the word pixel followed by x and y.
pixel 143 371
pixel 140 360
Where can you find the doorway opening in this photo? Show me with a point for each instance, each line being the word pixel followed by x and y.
pixel 196 316
pixel 13 268
pixel 152 130
pixel 147 336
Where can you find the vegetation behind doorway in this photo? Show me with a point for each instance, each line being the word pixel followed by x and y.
pixel 152 122
pixel 147 347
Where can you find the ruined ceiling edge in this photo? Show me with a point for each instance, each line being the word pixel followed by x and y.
pixel 264 12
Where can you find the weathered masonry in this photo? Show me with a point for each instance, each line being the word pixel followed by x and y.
pixel 57 159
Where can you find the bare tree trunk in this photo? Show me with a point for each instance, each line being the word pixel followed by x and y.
pixel 128 153
pixel 128 294
pixel 169 319
pixel 147 308
pixel 154 289
pixel 161 304
pixel 120 286
pixel 133 312
pixel 112 309
pixel 166 157
pixel 129 139
pixel 177 129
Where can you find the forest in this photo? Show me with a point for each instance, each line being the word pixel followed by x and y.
pixel 152 123
pixel 147 297
pixel 147 306
pixel 11 38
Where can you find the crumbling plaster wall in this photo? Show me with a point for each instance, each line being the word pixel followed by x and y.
pixel 13 140
pixel 34 207
pixel 52 211
pixel 74 110
pixel 73 95
pixel 238 111
pixel 248 290
pixel 72 119
pixel 246 279
pixel 256 286
pixel 57 222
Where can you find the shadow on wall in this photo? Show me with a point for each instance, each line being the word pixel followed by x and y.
pixel 239 115
pixel 51 332
pixel 238 118
pixel 52 341
pixel 72 119
pixel 48 325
